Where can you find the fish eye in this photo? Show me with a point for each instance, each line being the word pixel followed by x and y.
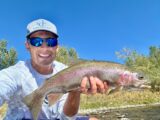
pixel 140 76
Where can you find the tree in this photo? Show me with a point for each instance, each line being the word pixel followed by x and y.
pixel 7 57
pixel 154 56
pixel 67 56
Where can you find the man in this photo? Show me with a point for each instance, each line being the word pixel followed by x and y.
pixel 23 78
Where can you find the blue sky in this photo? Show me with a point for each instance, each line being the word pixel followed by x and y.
pixel 95 28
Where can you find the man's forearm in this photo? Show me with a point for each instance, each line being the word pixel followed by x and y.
pixel 71 105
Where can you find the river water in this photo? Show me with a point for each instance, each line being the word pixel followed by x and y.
pixel 140 113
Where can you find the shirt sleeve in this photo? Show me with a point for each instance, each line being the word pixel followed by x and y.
pixel 8 85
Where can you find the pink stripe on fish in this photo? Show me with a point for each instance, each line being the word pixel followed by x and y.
pixel 126 78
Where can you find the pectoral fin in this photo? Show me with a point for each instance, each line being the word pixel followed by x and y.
pixel 113 90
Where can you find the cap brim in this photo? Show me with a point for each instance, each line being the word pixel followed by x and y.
pixel 41 30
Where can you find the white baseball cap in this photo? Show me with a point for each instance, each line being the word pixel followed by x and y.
pixel 41 24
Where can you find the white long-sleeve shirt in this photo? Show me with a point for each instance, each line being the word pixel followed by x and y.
pixel 22 79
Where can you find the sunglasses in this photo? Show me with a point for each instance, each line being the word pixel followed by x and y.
pixel 37 42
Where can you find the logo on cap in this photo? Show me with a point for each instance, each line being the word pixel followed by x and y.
pixel 41 24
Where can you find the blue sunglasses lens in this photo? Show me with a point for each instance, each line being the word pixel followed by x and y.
pixel 36 41
pixel 51 42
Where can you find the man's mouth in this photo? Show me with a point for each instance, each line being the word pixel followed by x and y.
pixel 44 55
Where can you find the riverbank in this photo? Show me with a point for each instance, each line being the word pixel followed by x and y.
pixel 112 109
pixel 134 105
pixel 137 112
pixel 123 99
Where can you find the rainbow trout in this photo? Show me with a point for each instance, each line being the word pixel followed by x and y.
pixel 116 75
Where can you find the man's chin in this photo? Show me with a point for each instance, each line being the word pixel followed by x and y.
pixel 46 63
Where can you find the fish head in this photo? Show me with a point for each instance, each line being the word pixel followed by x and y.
pixel 133 79
pixel 140 80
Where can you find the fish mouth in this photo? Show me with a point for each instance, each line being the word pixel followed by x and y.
pixel 146 84
pixel 145 87
pixel 142 84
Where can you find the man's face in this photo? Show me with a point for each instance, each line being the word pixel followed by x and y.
pixel 42 55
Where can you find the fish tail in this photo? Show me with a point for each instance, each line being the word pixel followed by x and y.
pixel 34 102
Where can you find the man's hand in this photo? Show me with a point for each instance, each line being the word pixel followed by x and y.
pixel 72 103
pixel 96 85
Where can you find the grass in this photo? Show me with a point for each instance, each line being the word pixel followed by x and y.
pixel 117 99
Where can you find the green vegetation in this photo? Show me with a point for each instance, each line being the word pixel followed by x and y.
pixel 7 57
pixel 121 98
pixel 67 56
